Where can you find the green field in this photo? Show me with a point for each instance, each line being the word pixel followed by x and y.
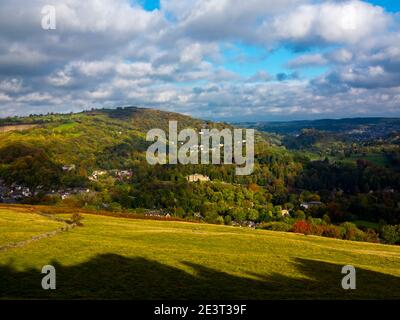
pixel 21 226
pixel 378 159
pixel 110 257
pixel 366 224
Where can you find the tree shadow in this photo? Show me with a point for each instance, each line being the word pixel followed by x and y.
pixel 111 276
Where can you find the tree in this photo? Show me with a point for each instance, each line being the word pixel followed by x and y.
pixel 391 234
pixel 179 212
pixel 326 219
pixel 252 215
pixel 228 220
pixel 300 215
pixel 239 215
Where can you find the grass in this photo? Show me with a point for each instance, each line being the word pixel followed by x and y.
pixel 112 257
pixel 16 127
pixel 22 224
pixel 65 126
pixel 378 159
pixel 366 224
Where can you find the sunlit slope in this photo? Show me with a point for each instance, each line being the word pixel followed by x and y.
pixel 21 224
pixel 143 259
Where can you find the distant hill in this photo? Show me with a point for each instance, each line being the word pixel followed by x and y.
pixel 141 119
pixel 33 149
pixel 383 126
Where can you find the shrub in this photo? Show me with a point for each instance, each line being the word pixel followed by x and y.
pixel 317 230
pixel 326 219
pixel 391 234
pixel 213 218
pixel 239 215
pixel 228 220
pixel 77 219
pixel 371 236
pixel 359 235
pixel 349 231
pixel 277 226
pixel 332 231
pixel 300 215
pixel 114 206
pixel 179 212
pixel 72 202
pixel 219 220
pixel 252 215
pixel 302 226
pixel 266 216
pixel 315 221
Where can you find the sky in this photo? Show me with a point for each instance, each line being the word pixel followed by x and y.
pixel 230 60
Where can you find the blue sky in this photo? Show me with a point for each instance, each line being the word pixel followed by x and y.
pixel 150 4
pixel 257 59
pixel 389 5
pixel 247 60
pixel 212 59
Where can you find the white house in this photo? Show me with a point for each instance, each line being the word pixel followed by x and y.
pixel 197 177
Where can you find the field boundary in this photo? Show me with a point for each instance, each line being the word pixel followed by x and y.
pixel 67 226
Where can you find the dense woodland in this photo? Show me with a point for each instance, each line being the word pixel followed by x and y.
pixel 355 183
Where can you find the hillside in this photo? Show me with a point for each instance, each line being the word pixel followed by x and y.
pixel 34 149
pixel 96 160
pixel 379 125
pixel 87 138
pixel 111 257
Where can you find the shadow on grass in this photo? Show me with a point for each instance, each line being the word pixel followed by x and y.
pixel 111 276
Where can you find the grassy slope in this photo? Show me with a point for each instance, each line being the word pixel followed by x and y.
pixel 20 225
pixel 125 258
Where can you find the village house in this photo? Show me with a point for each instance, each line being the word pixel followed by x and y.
pixel 14 192
pixel 65 195
pixel 198 215
pixel 249 224
pixel 26 192
pixel 157 213
pixel 96 174
pixel 72 191
pixel 285 213
pixel 307 205
pixel 69 167
pixel 197 177
pixel 122 174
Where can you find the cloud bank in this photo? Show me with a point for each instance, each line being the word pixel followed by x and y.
pixel 107 53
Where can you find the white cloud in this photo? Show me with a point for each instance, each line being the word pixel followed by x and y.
pixel 94 68
pixel 340 56
pixel 60 79
pixel 330 22
pixel 307 60
pixel 36 97
pixel 4 97
pixel 113 52
pixel 11 85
